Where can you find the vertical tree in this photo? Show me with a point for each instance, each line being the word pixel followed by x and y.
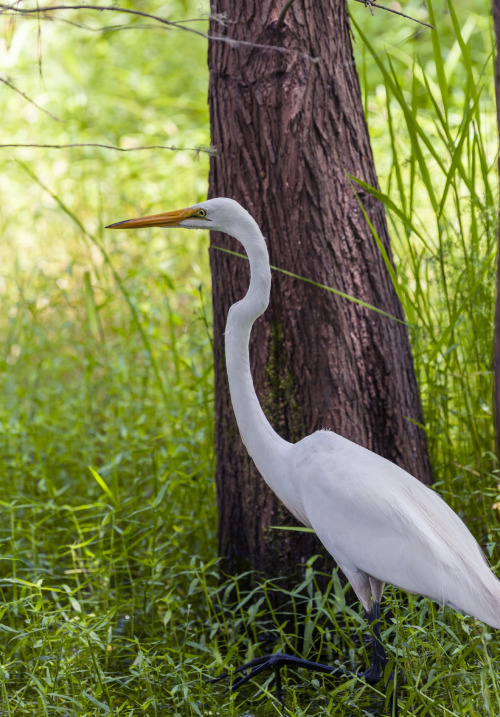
pixel 496 19
pixel 288 132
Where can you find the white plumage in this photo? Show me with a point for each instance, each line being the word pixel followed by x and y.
pixel 380 524
pixel 389 526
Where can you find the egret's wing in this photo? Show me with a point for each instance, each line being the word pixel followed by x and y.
pixel 373 516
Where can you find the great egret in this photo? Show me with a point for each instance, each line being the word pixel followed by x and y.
pixel 380 524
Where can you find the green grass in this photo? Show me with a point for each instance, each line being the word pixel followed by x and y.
pixel 112 601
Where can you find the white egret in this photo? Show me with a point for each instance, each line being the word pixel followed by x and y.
pixel 380 524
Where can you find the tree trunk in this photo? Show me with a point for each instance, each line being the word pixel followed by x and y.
pixel 287 133
pixel 496 18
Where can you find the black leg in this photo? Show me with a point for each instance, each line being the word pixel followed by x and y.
pixel 379 658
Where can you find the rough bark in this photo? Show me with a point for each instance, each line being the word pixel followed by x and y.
pixel 287 133
pixel 496 18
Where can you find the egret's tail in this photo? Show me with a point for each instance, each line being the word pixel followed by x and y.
pixel 480 596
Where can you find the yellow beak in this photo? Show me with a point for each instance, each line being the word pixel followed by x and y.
pixel 167 219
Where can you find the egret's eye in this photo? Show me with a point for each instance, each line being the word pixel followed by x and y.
pixel 202 212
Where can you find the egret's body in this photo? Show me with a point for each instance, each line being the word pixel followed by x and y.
pixel 380 524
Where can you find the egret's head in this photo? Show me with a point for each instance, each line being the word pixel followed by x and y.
pixel 216 214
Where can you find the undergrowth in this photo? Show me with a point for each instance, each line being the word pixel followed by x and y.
pixel 113 600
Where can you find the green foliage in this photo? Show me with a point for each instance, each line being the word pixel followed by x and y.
pixel 112 602
pixel 439 184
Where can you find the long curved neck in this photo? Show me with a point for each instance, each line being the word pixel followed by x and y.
pixel 264 445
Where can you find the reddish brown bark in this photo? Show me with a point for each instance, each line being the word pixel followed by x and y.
pixel 287 133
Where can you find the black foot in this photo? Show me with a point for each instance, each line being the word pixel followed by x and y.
pixel 278 660
pixel 374 674
pixel 275 662
pixel 371 675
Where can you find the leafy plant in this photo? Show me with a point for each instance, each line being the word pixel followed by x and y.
pixel 113 601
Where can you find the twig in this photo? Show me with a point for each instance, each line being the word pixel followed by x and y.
pixel 283 13
pixel 108 28
pixel 28 99
pixel 45 9
pixel 371 4
pixel 207 150
pixel 41 10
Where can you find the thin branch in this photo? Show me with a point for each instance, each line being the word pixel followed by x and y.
pixel 283 13
pixel 42 10
pixel 108 28
pixel 371 4
pixel 45 10
pixel 28 99
pixel 207 150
